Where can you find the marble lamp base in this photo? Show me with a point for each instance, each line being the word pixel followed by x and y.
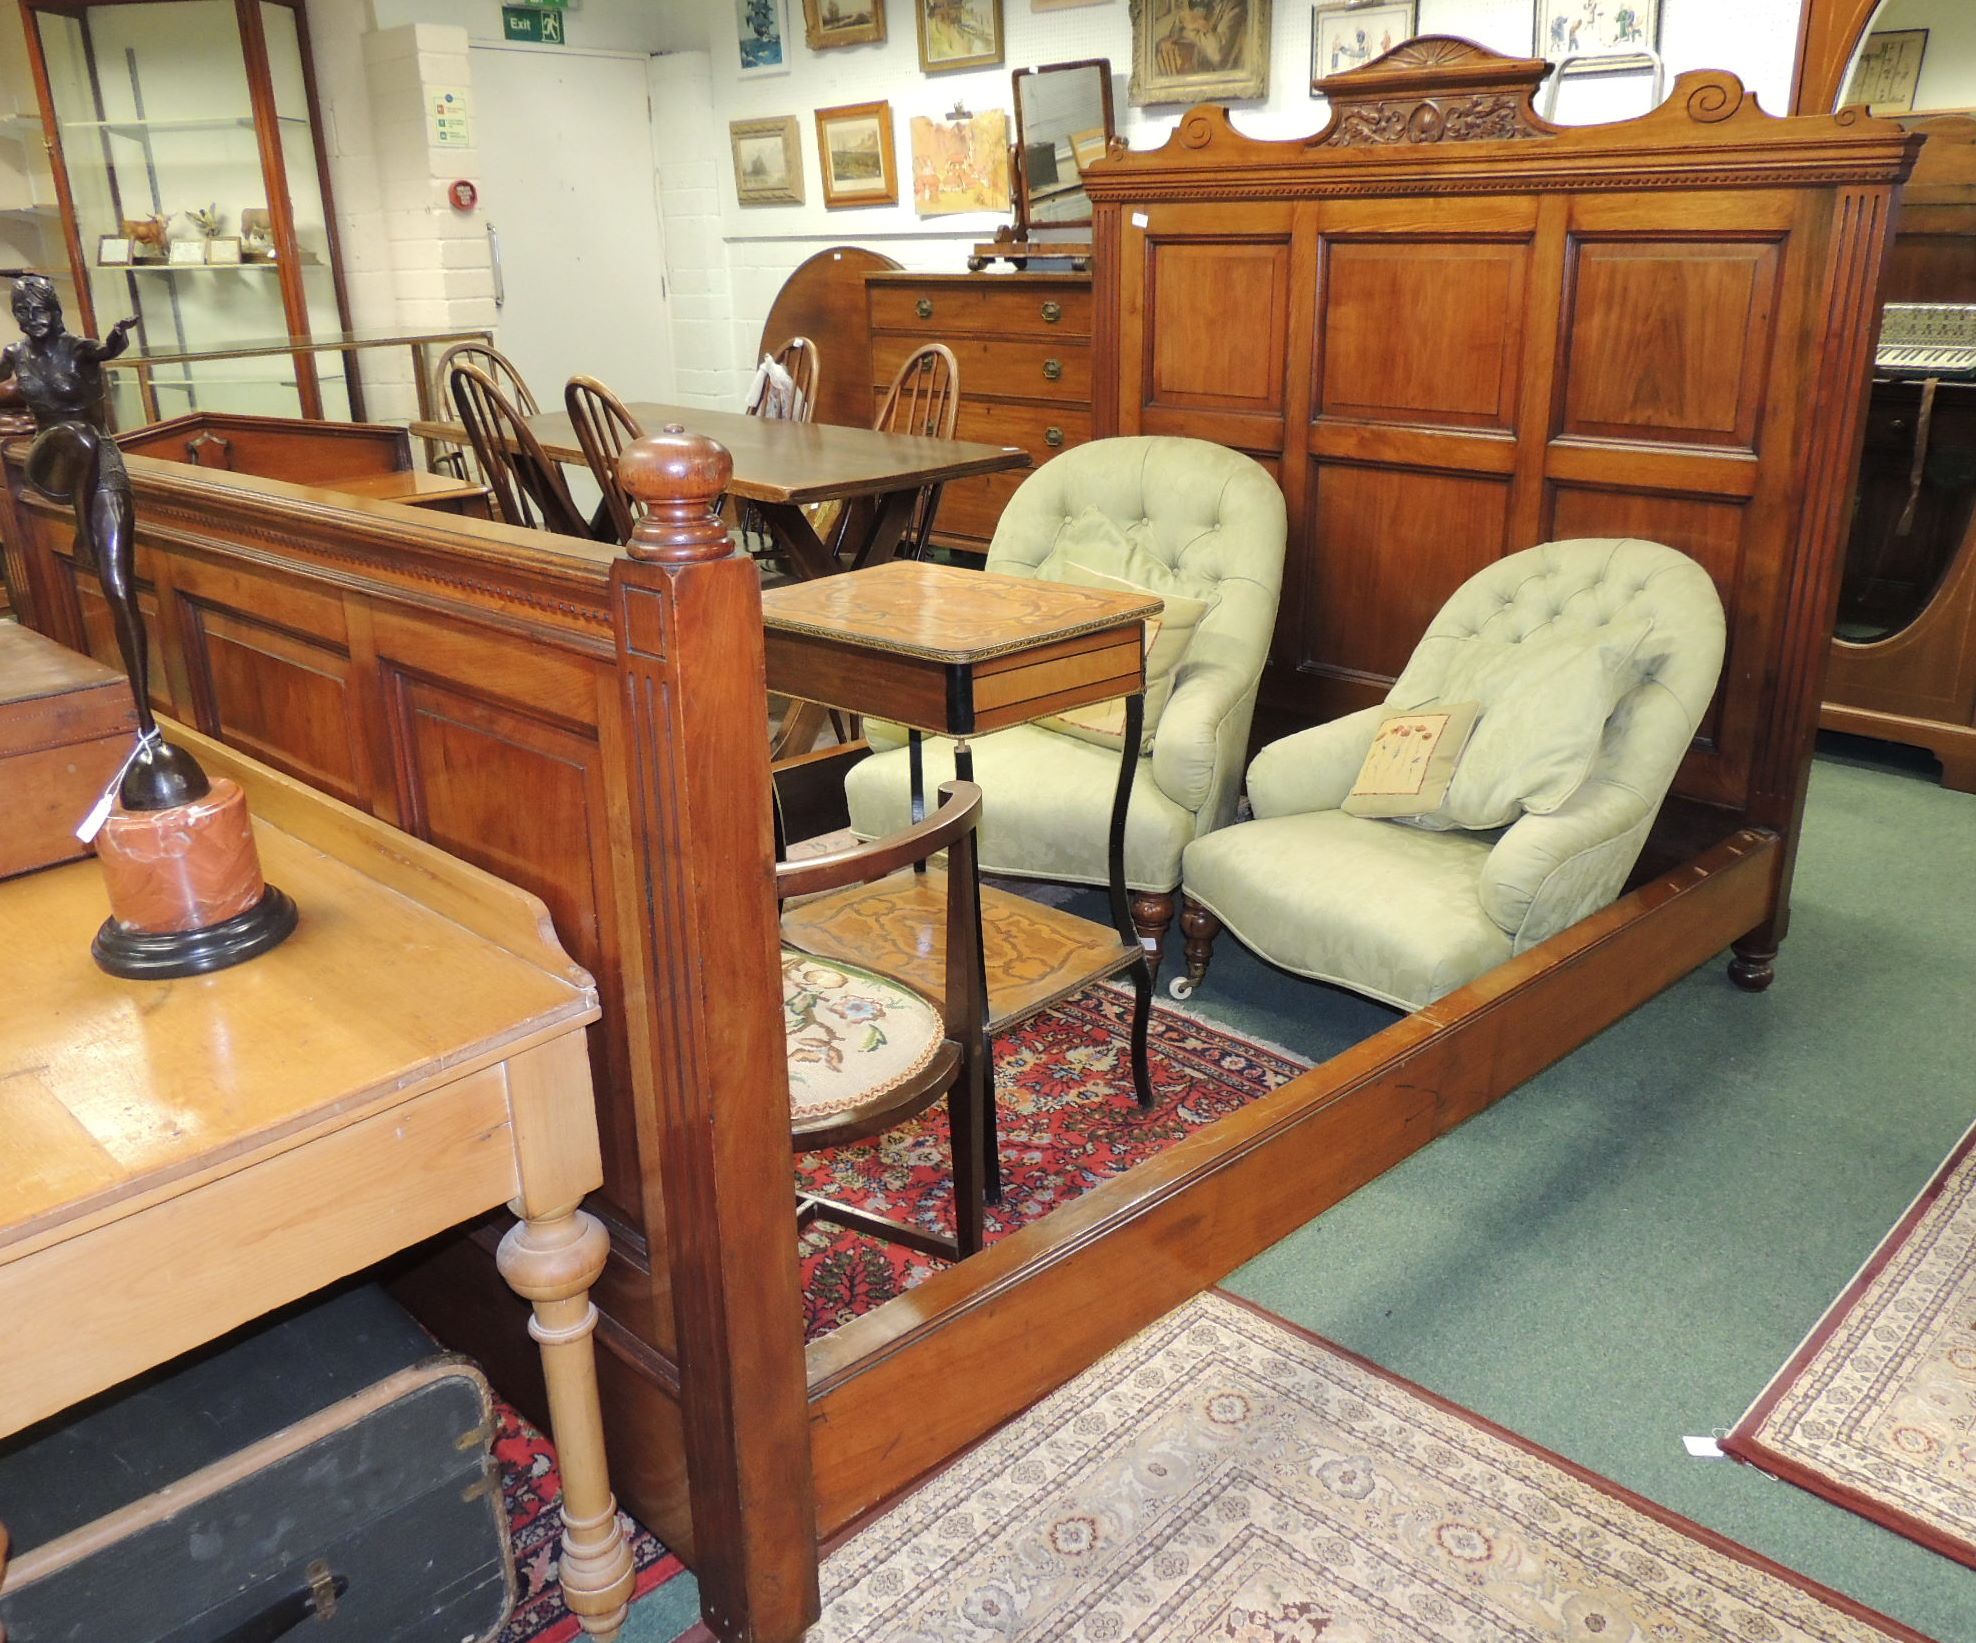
pixel 186 892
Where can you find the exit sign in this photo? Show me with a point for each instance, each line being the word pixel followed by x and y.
pixel 542 24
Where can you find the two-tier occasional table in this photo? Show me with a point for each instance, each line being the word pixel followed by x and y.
pixel 960 653
pixel 184 1156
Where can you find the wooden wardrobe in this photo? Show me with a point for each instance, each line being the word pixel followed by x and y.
pixel 1452 330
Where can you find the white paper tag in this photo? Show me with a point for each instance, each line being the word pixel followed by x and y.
pixel 1141 220
pixel 1704 1449
pixel 99 812
pixel 1149 944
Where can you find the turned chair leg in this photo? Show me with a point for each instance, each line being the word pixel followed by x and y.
pixel 1152 917
pixel 1200 927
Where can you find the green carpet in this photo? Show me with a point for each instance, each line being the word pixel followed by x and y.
pixel 1627 1248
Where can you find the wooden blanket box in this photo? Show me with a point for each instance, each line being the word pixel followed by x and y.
pixel 430 669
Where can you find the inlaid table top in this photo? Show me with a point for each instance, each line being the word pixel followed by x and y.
pixel 941 614
pixel 780 461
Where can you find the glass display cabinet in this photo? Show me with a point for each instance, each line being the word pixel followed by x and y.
pixel 184 153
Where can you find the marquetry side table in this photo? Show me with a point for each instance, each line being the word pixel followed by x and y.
pixel 959 653
pixel 184 1156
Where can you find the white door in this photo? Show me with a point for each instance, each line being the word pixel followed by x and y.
pixel 568 184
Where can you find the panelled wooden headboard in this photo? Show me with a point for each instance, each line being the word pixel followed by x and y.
pixel 1453 330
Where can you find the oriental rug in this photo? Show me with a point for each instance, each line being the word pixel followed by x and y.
pixel 1224 1476
pixel 1069 1121
pixel 532 1492
pixel 1876 1410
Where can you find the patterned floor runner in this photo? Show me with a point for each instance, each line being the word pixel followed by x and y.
pixel 532 1492
pixel 1068 1122
pixel 1877 1409
pixel 1223 1476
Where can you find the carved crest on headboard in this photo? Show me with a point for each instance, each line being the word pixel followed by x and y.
pixel 1431 90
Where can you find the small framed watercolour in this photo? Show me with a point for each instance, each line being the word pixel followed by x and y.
pixel 223 250
pixel 1185 52
pixel 1887 70
pixel 828 23
pixel 187 254
pixel 113 251
pixel 761 37
pixel 1347 34
pixel 1591 29
pixel 854 153
pixel 768 161
pixel 958 34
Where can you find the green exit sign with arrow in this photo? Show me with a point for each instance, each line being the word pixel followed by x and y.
pixel 541 24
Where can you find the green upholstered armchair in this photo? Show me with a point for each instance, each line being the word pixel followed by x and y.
pixel 1194 522
pixel 1406 915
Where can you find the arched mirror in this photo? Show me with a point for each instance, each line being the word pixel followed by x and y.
pixel 1904 664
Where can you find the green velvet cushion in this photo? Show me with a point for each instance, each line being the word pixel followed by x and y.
pixel 1045 809
pixel 1545 701
pixel 1387 910
pixel 1093 552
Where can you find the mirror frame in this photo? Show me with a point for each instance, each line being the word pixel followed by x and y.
pixel 1025 225
pixel 1829 32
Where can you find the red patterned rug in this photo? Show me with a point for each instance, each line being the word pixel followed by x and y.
pixel 1068 1121
pixel 532 1491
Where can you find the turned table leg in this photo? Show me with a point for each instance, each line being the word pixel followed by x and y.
pixel 551 1261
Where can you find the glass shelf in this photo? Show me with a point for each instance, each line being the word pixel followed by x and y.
pixel 199 122
pixel 164 107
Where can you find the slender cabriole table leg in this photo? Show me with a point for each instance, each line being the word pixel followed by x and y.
pixel 551 1261
pixel 1121 899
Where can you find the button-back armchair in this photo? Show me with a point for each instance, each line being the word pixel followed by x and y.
pixel 1406 915
pixel 1202 522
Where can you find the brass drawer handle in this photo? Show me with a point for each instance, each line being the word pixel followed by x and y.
pixel 1052 369
pixel 1053 437
pixel 924 308
pixel 1052 312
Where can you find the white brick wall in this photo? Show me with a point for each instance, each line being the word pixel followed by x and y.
pixel 714 354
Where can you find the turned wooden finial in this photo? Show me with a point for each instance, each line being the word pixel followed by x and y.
pixel 678 477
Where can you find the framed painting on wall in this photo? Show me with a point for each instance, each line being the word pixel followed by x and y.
pixel 768 161
pixel 828 23
pixel 1597 28
pixel 761 37
pixel 1348 34
pixel 854 153
pixel 1887 70
pixel 1199 51
pixel 957 34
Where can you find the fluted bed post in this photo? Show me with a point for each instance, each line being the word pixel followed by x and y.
pixel 687 613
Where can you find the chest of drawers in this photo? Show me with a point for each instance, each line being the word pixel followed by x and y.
pixel 1023 343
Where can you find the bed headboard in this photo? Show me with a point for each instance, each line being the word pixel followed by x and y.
pixel 1452 330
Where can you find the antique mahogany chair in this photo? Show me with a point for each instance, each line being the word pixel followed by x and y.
pixel 799 357
pixel 526 486
pixel 1407 913
pixel 1194 522
pixel 603 428
pixel 499 368
pixel 867 1053
pixel 924 399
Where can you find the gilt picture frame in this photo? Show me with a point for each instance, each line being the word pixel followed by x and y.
pixel 828 24
pixel 958 34
pixel 1199 51
pixel 768 160
pixel 854 150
